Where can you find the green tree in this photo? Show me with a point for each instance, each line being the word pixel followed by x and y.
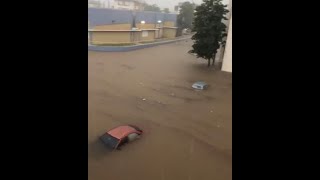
pixel 153 8
pixel 185 16
pixel 209 29
pixel 166 10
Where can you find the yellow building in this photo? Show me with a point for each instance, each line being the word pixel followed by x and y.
pixel 100 37
pixel 108 26
pixel 169 32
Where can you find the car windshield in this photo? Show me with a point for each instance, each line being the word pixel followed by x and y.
pixel 110 141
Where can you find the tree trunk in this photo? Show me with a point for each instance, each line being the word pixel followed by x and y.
pixel 213 59
pixel 208 62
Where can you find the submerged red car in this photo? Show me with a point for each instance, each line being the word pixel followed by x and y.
pixel 120 135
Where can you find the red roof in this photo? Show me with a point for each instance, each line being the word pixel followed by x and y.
pixel 121 131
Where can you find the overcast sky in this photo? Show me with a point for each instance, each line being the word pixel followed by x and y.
pixel 169 3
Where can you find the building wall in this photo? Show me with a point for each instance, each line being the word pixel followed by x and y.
pixel 149 17
pixel 169 23
pixel 98 17
pixel 113 27
pixel 171 18
pixel 145 26
pixel 169 32
pixel 159 33
pixel 136 36
pixel 150 37
pixel 227 58
pixel 112 19
pixel 221 50
pixel 103 37
pixel 156 25
pixel 154 17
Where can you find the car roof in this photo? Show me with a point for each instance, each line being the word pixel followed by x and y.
pixel 121 131
pixel 200 83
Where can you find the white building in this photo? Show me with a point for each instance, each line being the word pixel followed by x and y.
pixel 129 4
pixel 224 54
pixel 227 57
pixel 94 4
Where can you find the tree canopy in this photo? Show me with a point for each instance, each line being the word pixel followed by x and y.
pixel 153 8
pixel 185 16
pixel 209 29
pixel 166 10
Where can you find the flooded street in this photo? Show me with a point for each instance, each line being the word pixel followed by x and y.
pixel 187 133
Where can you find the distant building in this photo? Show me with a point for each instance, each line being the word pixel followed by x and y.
pixel 137 5
pixel 94 4
pixel 113 26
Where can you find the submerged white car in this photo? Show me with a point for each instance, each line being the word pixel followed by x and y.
pixel 200 85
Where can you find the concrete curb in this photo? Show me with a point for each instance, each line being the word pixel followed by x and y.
pixel 130 48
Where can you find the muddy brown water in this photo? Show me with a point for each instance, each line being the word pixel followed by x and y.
pixel 187 132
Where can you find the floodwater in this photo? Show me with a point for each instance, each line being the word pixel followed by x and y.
pixel 187 132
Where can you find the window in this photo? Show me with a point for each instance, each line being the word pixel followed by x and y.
pixel 109 140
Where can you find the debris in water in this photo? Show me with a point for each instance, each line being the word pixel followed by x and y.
pixel 172 94
pixel 144 99
pixel 211 111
